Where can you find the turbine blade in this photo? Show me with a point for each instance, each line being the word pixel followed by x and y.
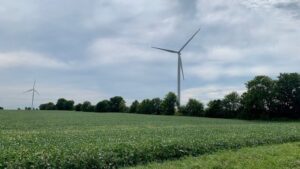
pixel 181 67
pixel 189 40
pixel 167 50
pixel 30 90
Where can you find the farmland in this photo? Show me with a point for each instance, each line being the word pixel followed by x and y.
pixel 58 139
pixel 262 157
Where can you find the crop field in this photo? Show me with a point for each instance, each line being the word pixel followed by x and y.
pixel 57 139
pixel 277 156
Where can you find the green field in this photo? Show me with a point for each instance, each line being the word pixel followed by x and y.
pixel 53 139
pixel 280 156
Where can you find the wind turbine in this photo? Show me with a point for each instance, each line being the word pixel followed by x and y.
pixel 33 92
pixel 180 67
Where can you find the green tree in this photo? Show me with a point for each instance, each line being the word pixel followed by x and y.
pixel 215 109
pixel 193 108
pixel 47 106
pixel 60 104
pixel 117 104
pixel 134 107
pixel 169 103
pixel 258 100
pixel 145 107
pixel 86 106
pixel 287 95
pixel 63 104
pixel 157 108
pixel 91 108
pixel 232 105
pixel 69 105
pixel 78 107
pixel 1 108
pixel 103 106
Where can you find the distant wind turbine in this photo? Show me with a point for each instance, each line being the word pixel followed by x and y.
pixel 180 67
pixel 33 92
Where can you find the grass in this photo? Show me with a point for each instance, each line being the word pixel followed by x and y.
pixel 54 139
pixel 263 157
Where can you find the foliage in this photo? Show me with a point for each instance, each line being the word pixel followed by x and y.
pixel 47 106
pixel 215 109
pixel 287 95
pixel 231 105
pixel 134 107
pixel 63 104
pixel 27 108
pixel 145 107
pixel 193 108
pixel 157 106
pixel 117 104
pixel 257 101
pixel 1 108
pixel 168 104
pixel 91 108
pixel 103 106
pixel 78 107
pixel 86 106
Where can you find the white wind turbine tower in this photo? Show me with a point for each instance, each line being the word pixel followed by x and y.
pixel 180 67
pixel 33 92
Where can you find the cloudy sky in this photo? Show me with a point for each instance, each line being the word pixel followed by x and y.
pixel 96 49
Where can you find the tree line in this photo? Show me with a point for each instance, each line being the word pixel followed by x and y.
pixel 264 98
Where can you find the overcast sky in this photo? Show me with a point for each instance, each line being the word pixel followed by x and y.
pixel 96 49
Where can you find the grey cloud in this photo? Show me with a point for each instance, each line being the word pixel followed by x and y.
pixel 292 7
